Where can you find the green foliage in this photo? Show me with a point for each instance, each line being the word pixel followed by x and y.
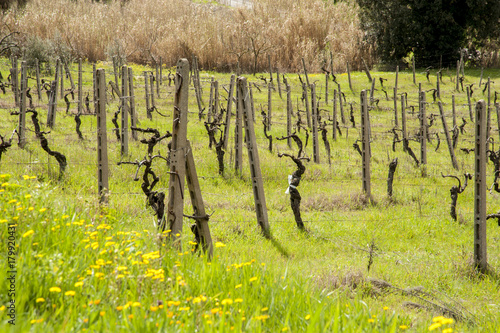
pixel 428 28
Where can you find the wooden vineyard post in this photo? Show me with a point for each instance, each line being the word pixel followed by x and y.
pixel 497 107
pixel 279 81
pixel 395 107
pixel 238 134
pixel 372 92
pixel 253 156
pixel 68 72
pixel 488 119
pixel 341 107
pixel 157 81
pixel 151 90
pixel 94 71
pixel 453 111
pixel 61 76
pixel 38 85
pixel 326 88
pixel 200 215
pixel 423 129
pixel 15 81
pixel 132 112
pixel 51 115
pixel 115 71
pixel 160 78
pixel 458 75
pixel 314 123
pixel 269 105
pixel 305 73
pixel 124 112
pixel 334 116
pixel 270 69
pixel 471 115
pixel 396 88
pixel 480 256
pixel 403 120
pixel 289 114
pixel 365 138
pixel 306 101
pixel 178 151
pixel 211 100
pixel 146 93
pixel 228 110
pixel 216 108
pixel 102 138
pixel 438 86
pixel 349 76
pixel 447 135
pixel 21 130
pixel 80 87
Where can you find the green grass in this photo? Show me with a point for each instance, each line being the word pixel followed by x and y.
pixel 314 281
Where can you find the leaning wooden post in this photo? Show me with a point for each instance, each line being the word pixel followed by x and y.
pixel 115 71
pixel 228 110
pixel 253 156
pixel 80 87
pixel 146 93
pixel 279 81
pixel 423 129
pixel 326 88
pixel 15 81
pixel 365 138
pixel 133 113
pixel 349 76
pixel 314 124
pixel 21 130
pixel 178 151
pixel 403 120
pixel 238 134
pixel 334 116
pixel 306 102
pixel 471 115
pixel 124 111
pixel 480 257
pixel 38 85
pixel 438 86
pixel 447 135
pixel 341 107
pixel 51 114
pixel 102 138
pixel 305 72
pixel 396 81
pixel 372 92
pixel 289 107
pixel 197 90
pixel 269 105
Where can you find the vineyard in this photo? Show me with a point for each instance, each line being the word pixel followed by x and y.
pixel 332 201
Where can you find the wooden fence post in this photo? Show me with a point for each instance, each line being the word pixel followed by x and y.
pixel 396 83
pixel 252 108
pixel 38 85
pixel 197 88
pixel 334 116
pixel 289 107
pixel 238 133
pixel 365 138
pixel 269 105
pixel 51 114
pixel 94 73
pixel 349 76
pixel 80 87
pixel 438 86
pixel 216 98
pixel 447 135
pixel 488 120
pixel 279 81
pixel 157 80
pixel 395 107
pixel 132 111
pixel 458 75
pixel 161 71
pixel 21 130
pixel 306 102
pixel 151 90
pixel 178 151
pixel 15 81
pixel 372 92
pixel 61 76
pixel 228 110
pixel 403 120
pixel 253 156
pixel 124 111
pixel 423 129
pixel 314 124
pixel 326 88
pixel 341 107
pixel 102 138
pixel 115 71
pixel 480 253
pixel 470 105
pixel 305 73
pixel 146 93
pixel 68 72
pixel 211 100
pixel 270 69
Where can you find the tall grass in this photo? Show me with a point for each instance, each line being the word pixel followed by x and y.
pixel 145 30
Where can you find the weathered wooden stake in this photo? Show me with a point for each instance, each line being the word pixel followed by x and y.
pixel 152 91
pixel 68 73
pixel 279 81
pixel 395 107
pixel 423 129
pixel 132 111
pixel 252 108
pixel 403 120
pixel 228 110
pixel 349 76
pixel 51 114
pixel 178 151
pixel 115 71
pixel 102 138
pixel 314 123
pixel 305 72
pixel 270 69
pixel 334 116
pixel 38 85
pixel 341 106
pixel 438 86
pixel 306 102
pixel 289 107
pixel 94 77
pixel 158 80
pixel 367 71
pixel 238 133
pixel 80 87
pixel 211 100
pixel 61 76
pixel 21 130
pixel 471 115
pixel 269 105
pixel 15 81
pixel 197 89
pixel 124 112
pixel 372 92
pixel 146 92
pixel 161 71
pixel 365 138
pixel 480 253
pixel 326 88
pixel 253 156
pixel 458 75
pixel 447 135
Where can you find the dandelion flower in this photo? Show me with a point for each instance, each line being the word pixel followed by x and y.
pixel 55 290
pixel 252 279
pixel 70 293
pixel 40 300
pixel 307 317
pixel 219 244
pixel 79 284
pixel 41 210
pixel 227 301
pixel 434 326
pixel 28 233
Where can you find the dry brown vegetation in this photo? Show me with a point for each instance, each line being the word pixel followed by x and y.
pixel 144 30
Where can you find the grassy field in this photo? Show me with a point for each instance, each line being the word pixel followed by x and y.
pixel 390 265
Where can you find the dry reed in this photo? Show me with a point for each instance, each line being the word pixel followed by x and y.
pixel 144 30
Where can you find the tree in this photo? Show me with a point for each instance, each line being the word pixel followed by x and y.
pixel 431 29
